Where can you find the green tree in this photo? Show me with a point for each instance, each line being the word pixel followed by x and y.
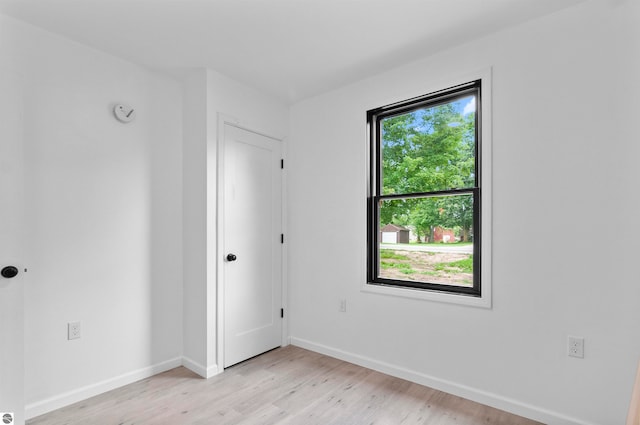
pixel 429 150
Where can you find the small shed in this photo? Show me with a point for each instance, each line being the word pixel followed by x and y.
pixel 392 233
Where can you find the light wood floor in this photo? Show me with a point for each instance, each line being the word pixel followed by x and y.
pixel 287 386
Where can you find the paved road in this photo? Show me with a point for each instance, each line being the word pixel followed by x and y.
pixel 461 249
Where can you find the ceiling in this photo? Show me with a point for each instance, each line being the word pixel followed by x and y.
pixel 292 49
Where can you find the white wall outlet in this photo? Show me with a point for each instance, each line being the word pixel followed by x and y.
pixel 575 346
pixel 73 330
pixel 343 306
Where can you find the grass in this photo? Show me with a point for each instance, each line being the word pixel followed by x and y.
pixel 403 267
pixel 464 265
pixel 391 255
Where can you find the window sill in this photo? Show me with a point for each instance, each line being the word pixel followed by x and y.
pixel 483 301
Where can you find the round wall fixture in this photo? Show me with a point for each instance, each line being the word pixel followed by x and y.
pixel 9 272
pixel 124 113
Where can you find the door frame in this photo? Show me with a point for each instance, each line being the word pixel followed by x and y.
pixel 224 120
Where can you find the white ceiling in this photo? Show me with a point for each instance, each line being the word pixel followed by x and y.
pixel 292 49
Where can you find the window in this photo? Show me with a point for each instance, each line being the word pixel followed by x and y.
pixel 424 204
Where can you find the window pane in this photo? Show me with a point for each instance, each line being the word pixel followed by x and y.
pixel 428 240
pixel 429 149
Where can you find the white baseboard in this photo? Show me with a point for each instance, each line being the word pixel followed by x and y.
pixel 197 368
pixel 44 406
pixel 41 407
pixel 494 400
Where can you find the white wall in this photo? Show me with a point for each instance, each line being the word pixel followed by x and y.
pixel 195 221
pixel 103 202
pixel 105 206
pixel 207 95
pixel 565 107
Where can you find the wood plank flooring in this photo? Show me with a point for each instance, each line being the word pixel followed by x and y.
pixel 286 386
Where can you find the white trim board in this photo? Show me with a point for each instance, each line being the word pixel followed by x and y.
pixel 56 402
pixel 490 399
pixel 200 370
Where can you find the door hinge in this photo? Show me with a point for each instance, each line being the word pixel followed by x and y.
pixel 282 164
pixel 281 312
pixel 281 237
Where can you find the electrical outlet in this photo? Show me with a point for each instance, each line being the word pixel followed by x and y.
pixel 73 330
pixel 575 346
pixel 343 306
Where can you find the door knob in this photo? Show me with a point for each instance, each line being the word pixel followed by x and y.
pixel 9 272
pixel 231 257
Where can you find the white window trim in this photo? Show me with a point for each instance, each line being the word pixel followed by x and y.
pixel 485 299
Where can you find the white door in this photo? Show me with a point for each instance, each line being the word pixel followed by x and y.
pixel 252 246
pixel 11 288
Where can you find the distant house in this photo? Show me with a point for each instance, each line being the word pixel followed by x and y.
pixel 392 233
pixel 443 235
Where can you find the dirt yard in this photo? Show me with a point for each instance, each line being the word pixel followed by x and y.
pixel 432 267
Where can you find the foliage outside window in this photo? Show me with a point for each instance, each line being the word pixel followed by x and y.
pixel 424 195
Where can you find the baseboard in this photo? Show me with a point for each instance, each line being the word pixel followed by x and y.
pixel 494 400
pixel 41 407
pixel 197 368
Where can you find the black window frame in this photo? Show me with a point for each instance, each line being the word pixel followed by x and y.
pixel 375 196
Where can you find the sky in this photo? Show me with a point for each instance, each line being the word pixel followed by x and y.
pixel 470 105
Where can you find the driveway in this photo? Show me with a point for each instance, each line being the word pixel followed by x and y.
pixel 450 248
